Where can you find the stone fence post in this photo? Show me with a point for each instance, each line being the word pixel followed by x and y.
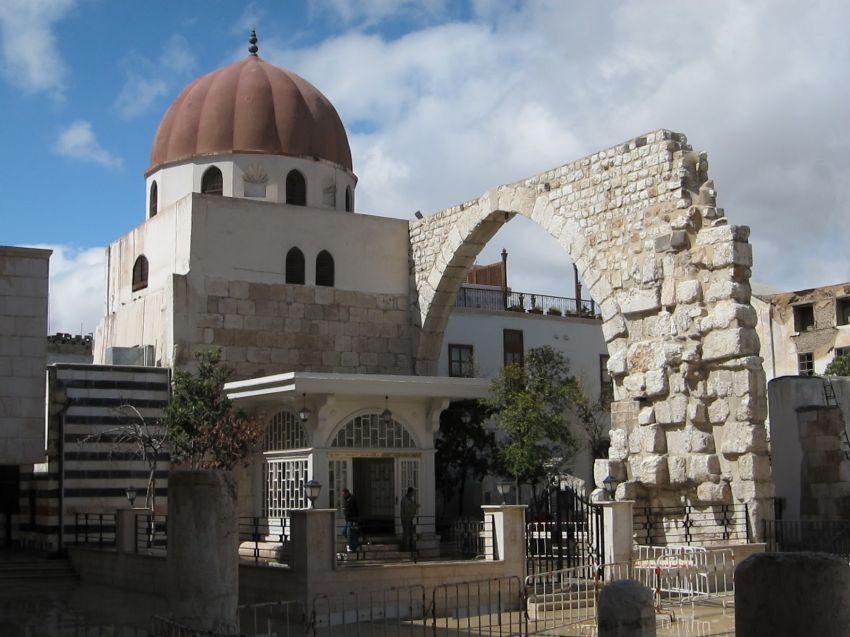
pixel 313 540
pixel 508 542
pixel 617 530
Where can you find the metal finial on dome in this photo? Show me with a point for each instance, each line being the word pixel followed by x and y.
pixel 253 42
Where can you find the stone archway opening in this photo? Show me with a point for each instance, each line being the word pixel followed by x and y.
pixel 671 277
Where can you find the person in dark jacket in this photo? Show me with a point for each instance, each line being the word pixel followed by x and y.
pixel 409 509
pixel 350 531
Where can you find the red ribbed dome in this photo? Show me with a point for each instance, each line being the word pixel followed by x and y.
pixel 250 107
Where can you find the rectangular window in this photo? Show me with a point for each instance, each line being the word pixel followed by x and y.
pixel 284 486
pixel 606 384
pixel 841 351
pixel 460 361
pixel 513 347
pixel 842 311
pixel 806 364
pixel 804 317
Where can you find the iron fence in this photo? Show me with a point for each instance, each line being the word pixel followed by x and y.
pixel 265 539
pixel 687 524
pixel 465 538
pixel 823 536
pixel 150 533
pixel 94 529
pixel 496 299
pixel 392 611
pixel 165 627
pixel 274 619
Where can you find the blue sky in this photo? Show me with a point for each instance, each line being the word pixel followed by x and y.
pixel 442 101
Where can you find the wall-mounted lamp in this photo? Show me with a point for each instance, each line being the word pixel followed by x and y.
pixel 386 415
pixel 304 412
pixel 312 489
pixel 131 495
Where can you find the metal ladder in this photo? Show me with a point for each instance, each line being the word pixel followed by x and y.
pixel 831 401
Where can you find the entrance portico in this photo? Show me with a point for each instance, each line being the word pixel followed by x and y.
pixel 372 434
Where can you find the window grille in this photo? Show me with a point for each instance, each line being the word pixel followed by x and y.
pixel 284 487
pixel 325 269
pixel 295 266
pixel 284 431
pixel 370 432
pixel 296 189
pixel 212 183
pixel 338 480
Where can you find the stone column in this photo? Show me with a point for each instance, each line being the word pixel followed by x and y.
pixel 509 536
pixel 313 548
pixel 626 610
pixel 203 550
pixel 617 530
pixel 125 530
pixel 792 594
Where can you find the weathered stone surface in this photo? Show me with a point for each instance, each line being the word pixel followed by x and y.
pixel 742 437
pixel 605 468
pixel 671 411
pixel 646 416
pixel 656 383
pixel 754 467
pixel 651 470
pixel 729 343
pixel 677 467
pixel 638 301
pixel 703 467
pixel 619 449
pixel 714 492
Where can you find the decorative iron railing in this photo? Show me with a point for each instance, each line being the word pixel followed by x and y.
pixel 687 524
pixel 94 529
pixel 150 533
pixel 823 536
pixel 495 299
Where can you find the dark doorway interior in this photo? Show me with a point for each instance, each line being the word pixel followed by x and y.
pixel 374 487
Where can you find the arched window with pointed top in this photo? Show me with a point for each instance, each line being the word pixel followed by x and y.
pixel 349 199
pixel 296 188
pixel 295 266
pixel 140 273
pixel 212 183
pixel 325 269
pixel 153 200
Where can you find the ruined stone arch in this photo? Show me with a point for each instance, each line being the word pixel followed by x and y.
pixel 671 277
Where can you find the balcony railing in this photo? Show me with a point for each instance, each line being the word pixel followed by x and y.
pixel 496 299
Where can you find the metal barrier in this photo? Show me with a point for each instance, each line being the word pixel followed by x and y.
pixel 569 597
pixel 823 536
pixel 273 619
pixel 489 607
pixel 150 533
pixel 94 529
pixel 265 539
pixel 686 525
pixel 164 627
pixel 497 299
pixel 684 573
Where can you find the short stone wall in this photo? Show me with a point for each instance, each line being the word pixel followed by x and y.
pixel 825 469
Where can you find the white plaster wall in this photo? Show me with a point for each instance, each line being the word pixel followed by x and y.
pixel 238 239
pixel 785 395
pixel 23 353
pixel 579 339
pixel 179 180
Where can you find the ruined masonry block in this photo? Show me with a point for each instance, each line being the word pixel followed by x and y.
pixel 729 343
pixel 677 469
pixel 602 469
pixel 640 302
pixel 689 291
pixel 619 449
pixel 656 383
pixel 650 470
pixel 646 416
pixel 671 411
pixel 702 467
pixel 742 437
pixel 712 492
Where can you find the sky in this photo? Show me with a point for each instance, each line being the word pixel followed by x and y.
pixel 442 100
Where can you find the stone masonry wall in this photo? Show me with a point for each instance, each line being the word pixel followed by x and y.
pixel 267 328
pixel 671 277
pixel 825 469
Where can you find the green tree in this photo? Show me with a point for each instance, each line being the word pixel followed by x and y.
pixel 204 430
pixel 464 449
pixel 840 366
pixel 534 404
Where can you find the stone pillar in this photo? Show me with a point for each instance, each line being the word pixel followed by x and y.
pixel 508 536
pixel 203 550
pixel 313 548
pixel 792 594
pixel 617 530
pixel 125 535
pixel 626 610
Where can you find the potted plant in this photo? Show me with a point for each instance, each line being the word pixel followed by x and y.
pixel 554 311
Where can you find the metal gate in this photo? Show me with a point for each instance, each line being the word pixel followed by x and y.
pixel 571 534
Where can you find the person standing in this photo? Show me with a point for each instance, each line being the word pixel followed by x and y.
pixel 409 508
pixel 350 512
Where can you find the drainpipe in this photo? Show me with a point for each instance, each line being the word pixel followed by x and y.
pixel 505 278
pixel 772 348
pixel 578 288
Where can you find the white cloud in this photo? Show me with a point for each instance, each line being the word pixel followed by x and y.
pixel 76 288
pixel 78 141
pixel 138 94
pixel 371 12
pixel 31 59
pixel 147 81
pixel 463 107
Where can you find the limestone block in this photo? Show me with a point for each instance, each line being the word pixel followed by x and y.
pixel 751 408
pixel 619 449
pixel 677 468
pixel 626 610
pixel 721 234
pixel 629 490
pixel 656 383
pixel 753 466
pixel 646 416
pixel 714 492
pixel 668 292
pixel 728 253
pixel 747 490
pixel 696 411
pixel 617 363
pixel 724 288
pixel 719 383
pixel 603 468
pixel 650 470
pixel 742 437
pixel 671 411
pixel 703 467
pixel 689 291
pixel 634 384
pixel 638 301
pixel 651 439
pixel 729 343
pixel 614 328
pixel 700 441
